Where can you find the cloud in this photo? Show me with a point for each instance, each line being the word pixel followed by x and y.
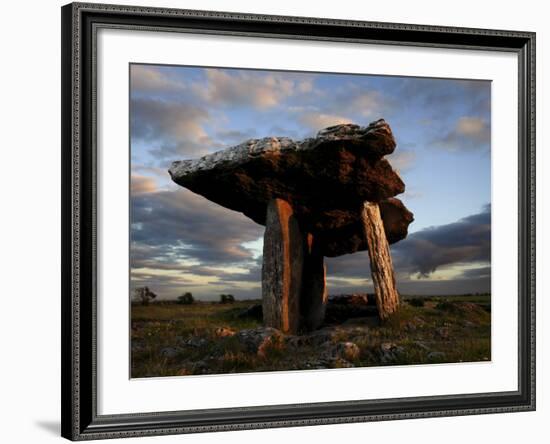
pixel 465 241
pixel 306 85
pixel 370 104
pixel 444 287
pixel 259 89
pixel 317 122
pixel 469 133
pixel 169 273
pixel 142 185
pixel 152 79
pixel 473 127
pixel 195 227
pixel 480 272
pixel 402 160
pixel 161 119
pixel 440 97
pixel 349 103
pixel 181 240
pixel 171 130
pixel 233 136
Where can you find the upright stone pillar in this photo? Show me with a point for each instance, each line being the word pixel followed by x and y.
pixel 314 289
pixel 387 298
pixel 282 268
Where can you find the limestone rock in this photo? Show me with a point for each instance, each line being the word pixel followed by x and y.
pixel 348 350
pixel 383 277
pixel 282 268
pixel 259 340
pixel 314 294
pixel 343 307
pixel 224 332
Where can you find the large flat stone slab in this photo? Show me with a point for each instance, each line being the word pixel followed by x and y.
pixel 325 180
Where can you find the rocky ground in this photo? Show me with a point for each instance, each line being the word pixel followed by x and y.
pixel 208 338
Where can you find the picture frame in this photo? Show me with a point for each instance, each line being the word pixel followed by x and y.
pixel 80 211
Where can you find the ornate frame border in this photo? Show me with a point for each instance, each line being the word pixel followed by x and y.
pixel 80 22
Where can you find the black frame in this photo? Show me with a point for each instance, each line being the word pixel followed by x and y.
pixel 79 413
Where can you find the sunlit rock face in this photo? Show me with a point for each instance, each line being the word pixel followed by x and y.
pixel 325 179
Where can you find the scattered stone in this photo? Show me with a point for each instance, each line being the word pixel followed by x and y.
pixel 184 371
pixel 390 352
pixel 259 340
pixel 200 367
pixel 169 352
pixel 399 350
pixel 223 332
pixel 297 341
pixel 409 327
pixel 421 345
pixel 317 364
pixel 442 333
pixel 318 337
pixel 348 350
pixel 436 356
pixel 340 363
pixel 387 346
pixel 414 324
pixel 196 342
pixel 466 309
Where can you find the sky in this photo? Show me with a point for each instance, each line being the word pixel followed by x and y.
pixel 181 242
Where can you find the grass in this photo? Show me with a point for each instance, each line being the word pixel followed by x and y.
pixel 170 339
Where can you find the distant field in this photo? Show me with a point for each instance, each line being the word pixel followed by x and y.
pixel 208 338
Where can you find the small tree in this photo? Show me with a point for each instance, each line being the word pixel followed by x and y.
pixel 227 298
pixel 186 298
pixel 144 295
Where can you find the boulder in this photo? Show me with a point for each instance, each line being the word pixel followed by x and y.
pixel 259 340
pixel 224 332
pixel 343 307
pixel 254 311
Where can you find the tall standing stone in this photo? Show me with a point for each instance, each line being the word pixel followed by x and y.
pixel 314 289
pixel 387 297
pixel 282 268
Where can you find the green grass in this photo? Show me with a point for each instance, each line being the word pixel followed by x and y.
pixel 443 329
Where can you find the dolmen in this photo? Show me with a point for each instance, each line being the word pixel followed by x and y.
pixel 325 196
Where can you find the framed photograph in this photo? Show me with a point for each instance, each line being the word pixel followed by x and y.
pixel 280 221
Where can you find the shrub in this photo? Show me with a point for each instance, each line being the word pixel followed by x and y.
pixel 445 305
pixel 416 302
pixel 186 299
pixel 227 298
pixel 144 295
